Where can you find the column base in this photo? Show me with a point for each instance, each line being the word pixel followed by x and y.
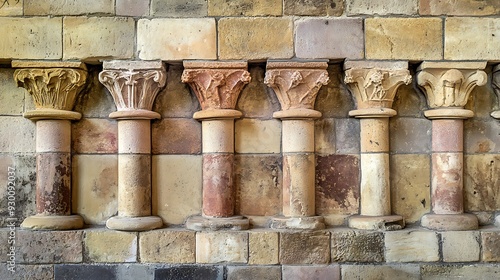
pixel 450 222
pixel 388 223
pixel 45 222
pixel 200 223
pixel 312 222
pixel 134 223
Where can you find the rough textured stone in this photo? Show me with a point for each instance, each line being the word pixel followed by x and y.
pixel 217 247
pixel 311 272
pixel 32 272
pixel 189 272
pixel 169 136
pixel 34 38
pixel 95 136
pixel 254 136
pixel 167 246
pixel 460 246
pixel 255 43
pixel 176 39
pixel 375 272
pixel 110 246
pixel 396 38
pixel 67 7
pixel 91 38
pixel 13 102
pixel 305 247
pixel 481 136
pixel 218 186
pixel 39 247
pixel 459 8
pixel 482 182
pixel 357 246
pixel 263 247
pixel 411 246
pixel 490 244
pixel 410 135
pixel 95 187
pixel 324 136
pixel 135 8
pixel 179 8
pixel 84 271
pixel 408 102
pixel 11 128
pixel 410 183
pixel 313 8
pixel 245 8
pixel 12 8
pixel 347 136
pixel 334 100
pixel 344 36
pixel 253 272
pixel 134 271
pixel 384 7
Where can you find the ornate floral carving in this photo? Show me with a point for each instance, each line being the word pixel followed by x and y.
pixel 375 87
pixel 52 88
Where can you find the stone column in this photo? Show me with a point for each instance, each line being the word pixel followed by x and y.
pixel 134 86
pixel 374 85
pixel 217 86
pixel 447 86
pixel 296 85
pixel 495 82
pixel 54 87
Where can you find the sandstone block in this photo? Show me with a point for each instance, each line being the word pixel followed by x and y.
pixel 32 272
pixel 411 246
pixel 12 102
pixel 334 99
pixel 105 245
pixel 409 103
pixel 324 136
pixel 178 8
pixel 177 187
pixel 256 136
pixel 187 272
pixel 176 136
pixel 459 271
pixel 263 247
pixel 410 135
pixel 167 246
pixel 95 136
pixel 12 8
pixel 481 136
pixel 305 247
pixel 404 38
pixel 176 39
pixel 347 136
pixel 67 7
pixel 490 244
pixel 357 246
pixel 460 246
pixel 134 8
pixel 374 272
pixel 329 38
pixel 481 182
pixel 314 8
pixel 92 38
pixel 39 247
pixel 17 135
pixel 254 43
pixel 245 8
pixel 85 271
pixel 384 7
pixel 217 247
pixel 253 272
pixel 459 8
pixel 311 272
pixel 34 38
pixel 94 101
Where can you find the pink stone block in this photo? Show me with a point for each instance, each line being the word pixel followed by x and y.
pixel 447 135
pixel 218 198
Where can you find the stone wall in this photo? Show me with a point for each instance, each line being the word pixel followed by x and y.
pixel 95 31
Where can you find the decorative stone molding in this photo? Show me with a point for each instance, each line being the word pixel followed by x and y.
pixel 217 86
pixel 495 82
pixel 54 87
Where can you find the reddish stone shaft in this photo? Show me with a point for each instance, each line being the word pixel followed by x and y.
pixel 53 194
pixel 218 189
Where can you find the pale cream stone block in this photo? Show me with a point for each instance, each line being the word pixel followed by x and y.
pixel 12 8
pixel 13 102
pixel 134 185
pixel 218 136
pixel 67 7
pixel 53 136
pixel 134 136
pixel 219 247
pixel 375 185
pixel 167 246
pixel 258 136
pixel 177 187
pixel 111 246
pixel 411 246
pixel 17 135
pixel 374 135
pixel 461 246
pixel 298 185
pixel 298 136
pixel 263 247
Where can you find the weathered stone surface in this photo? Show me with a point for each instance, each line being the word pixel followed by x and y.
pixel 483 100
pixel 12 8
pixel 12 101
pixel 254 136
pixel 305 247
pixel 189 272
pixel 84 271
pixel 169 136
pixel 447 183
pixel 167 246
pixel 459 271
pixel 263 247
pixel 408 102
pixel 482 182
pixel 217 247
pixel 324 136
pixel 311 272
pixel 134 271
pixel 334 99
pixel 395 38
pixel 35 272
pixel 481 136
pixel 176 187
pixel 35 38
pixel 411 246
pixel 384 7
pixel 490 244
pixel 410 183
pixel 95 136
pixel 134 185
pixel 314 8
pixel 337 184
pixel 254 43
pixel 105 245
pixel 410 135
pixel 347 136
pixel 53 193
pixel 218 185
pixel 10 126
pixel 244 8
pixel 357 246
pixel 253 272
pixel 39 247
pixel 459 8
pixel 176 39
pixel 374 272
pixel 460 246
pixel 344 36
pixel 135 8
pixel 91 38
pixel 178 8
pixel 66 8
pixel 95 187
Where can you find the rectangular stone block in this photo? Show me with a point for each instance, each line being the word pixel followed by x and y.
pixel 12 8
pixel 409 103
pixel 481 137
pixel 34 38
pixel 263 247
pixel 167 246
pixel 347 136
pixel 253 272
pixel 176 136
pixel 375 272
pixel 177 187
pixel 85 271
pixel 103 245
pixel 254 43
pixel 67 7
pixel 176 39
pixel 17 135
pixel 459 8
pixel 95 101
pixel 459 271
pixel 218 247
pixel 245 8
pixel 324 136
pixel 481 182
pixel 313 8
pixel 404 38
pixel 410 135
pixel 384 7
pixel 490 244
pixel 254 136
pixel 463 33
pixel 305 247
pixel 178 8
pixel 460 246
pixel 95 136
pixel 331 272
pixel 357 246
pixel 39 247
pixel 189 272
pixel 32 272
pixel 12 101
pixel 411 246
pixel 134 8
pixel 329 38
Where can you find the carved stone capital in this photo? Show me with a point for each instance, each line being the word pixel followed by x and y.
pixel 495 82
pixel 296 84
pixel 448 84
pixel 133 84
pixel 217 85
